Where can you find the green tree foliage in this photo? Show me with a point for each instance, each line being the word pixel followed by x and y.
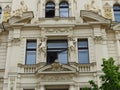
pixel 111 77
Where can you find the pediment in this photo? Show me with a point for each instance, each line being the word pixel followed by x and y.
pixel 25 18
pixel 56 68
pixel 116 27
pixel 90 16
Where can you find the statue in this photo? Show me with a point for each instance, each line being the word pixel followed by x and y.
pixel 19 11
pixel 72 44
pixel 93 7
pixel 42 45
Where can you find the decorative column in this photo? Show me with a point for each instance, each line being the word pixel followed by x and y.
pixel 42 87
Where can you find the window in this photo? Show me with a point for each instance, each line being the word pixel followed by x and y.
pixel 31 52
pixel 83 53
pixel 0 13
pixel 116 9
pixel 50 10
pixel 57 49
pixel 64 9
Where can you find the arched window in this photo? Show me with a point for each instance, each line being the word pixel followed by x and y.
pixel 116 9
pixel 0 12
pixel 64 9
pixel 50 10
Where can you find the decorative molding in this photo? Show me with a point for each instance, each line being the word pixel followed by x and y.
pixel 25 18
pixel 23 8
pixel 93 16
pixel 15 41
pixel 92 7
pixel 57 78
pixel 58 30
pixel 107 11
pixel 98 39
pixel 6 13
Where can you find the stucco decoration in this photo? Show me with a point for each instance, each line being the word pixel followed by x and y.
pixel 56 67
pixel 50 78
pixel 6 13
pixel 72 44
pixel 42 45
pixel 23 8
pixel 89 16
pixel 116 27
pixel 92 6
pixel 107 11
pixel 15 41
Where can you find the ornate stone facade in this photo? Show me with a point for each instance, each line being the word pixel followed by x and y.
pixel 64 52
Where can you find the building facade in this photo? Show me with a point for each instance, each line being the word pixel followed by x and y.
pixel 56 44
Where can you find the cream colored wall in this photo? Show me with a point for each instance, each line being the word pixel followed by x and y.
pixel 102 44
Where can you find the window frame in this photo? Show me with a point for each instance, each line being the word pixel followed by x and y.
pixel 0 13
pixel 116 10
pixel 83 48
pixel 63 7
pixel 57 50
pixel 30 49
pixel 50 7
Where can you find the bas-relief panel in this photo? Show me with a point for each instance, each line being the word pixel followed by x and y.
pixel 20 6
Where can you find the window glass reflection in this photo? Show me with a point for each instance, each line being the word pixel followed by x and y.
pixel 64 9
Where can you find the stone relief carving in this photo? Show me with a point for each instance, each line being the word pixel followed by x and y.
pixel 56 78
pixel 7 13
pixel 92 6
pixel 98 39
pixel 15 41
pixel 60 30
pixel 72 44
pixel 42 45
pixel 56 66
pixel 23 8
pixel 107 11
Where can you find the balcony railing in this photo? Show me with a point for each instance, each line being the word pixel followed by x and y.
pixel 86 67
pixel 27 68
pixel 33 68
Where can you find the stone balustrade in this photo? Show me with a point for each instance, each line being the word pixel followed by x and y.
pixel 86 67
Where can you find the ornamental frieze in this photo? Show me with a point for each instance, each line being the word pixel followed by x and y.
pixel 58 30
pixel 51 78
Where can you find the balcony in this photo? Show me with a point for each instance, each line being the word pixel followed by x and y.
pixel 27 68
pixel 87 67
pixel 49 68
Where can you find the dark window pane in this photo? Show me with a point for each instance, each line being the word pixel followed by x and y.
pixel 50 10
pixel 0 12
pixel 57 44
pixel 31 57
pixel 57 50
